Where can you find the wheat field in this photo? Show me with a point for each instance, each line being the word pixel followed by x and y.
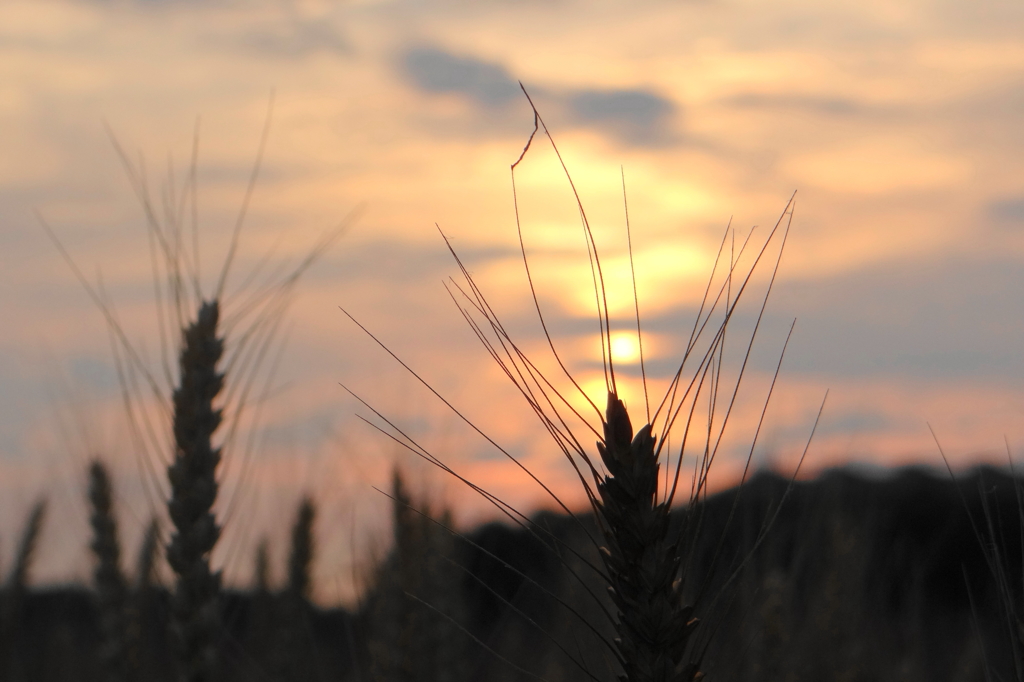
pixel 910 576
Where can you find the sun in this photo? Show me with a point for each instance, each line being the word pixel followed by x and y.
pixel 625 348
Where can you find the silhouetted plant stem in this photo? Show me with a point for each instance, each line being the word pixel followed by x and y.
pixel 653 625
pixel 140 604
pixel 415 619
pixel 145 563
pixel 18 579
pixel 261 568
pixel 12 597
pixel 300 561
pixel 108 579
pixel 195 609
pixel 295 636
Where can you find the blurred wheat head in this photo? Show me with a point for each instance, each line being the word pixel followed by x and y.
pixel 217 367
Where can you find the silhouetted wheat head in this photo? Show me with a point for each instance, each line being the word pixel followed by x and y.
pixel 192 475
pixel 142 597
pixel 261 568
pixel 108 578
pixel 300 559
pixel 205 336
pixel 633 484
pixel 653 625
pixel 415 618
pixel 17 580
pixel 214 350
pixel 14 594
pixel 146 559
pixel 294 652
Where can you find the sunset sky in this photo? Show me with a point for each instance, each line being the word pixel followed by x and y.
pixel 899 125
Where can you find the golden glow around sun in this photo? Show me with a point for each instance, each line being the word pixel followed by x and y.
pixel 625 348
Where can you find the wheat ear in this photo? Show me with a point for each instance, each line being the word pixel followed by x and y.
pixel 145 561
pixel 12 597
pixel 18 579
pixel 195 620
pixel 109 580
pixel 295 655
pixel 300 561
pixel 139 603
pixel 643 565
pixel 261 568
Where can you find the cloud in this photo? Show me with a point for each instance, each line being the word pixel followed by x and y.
pixel 434 71
pixel 634 116
pixel 947 319
pixel 950 319
pixel 1008 210
pixel 637 116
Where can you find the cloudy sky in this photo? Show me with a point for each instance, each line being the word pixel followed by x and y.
pixel 898 125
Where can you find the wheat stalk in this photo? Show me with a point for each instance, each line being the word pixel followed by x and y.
pixel 195 618
pixel 653 624
pixel 300 560
pixel 145 561
pixel 140 602
pixel 292 632
pixel 253 312
pixel 261 568
pixel 17 581
pixel 12 597
pixel 644 561
pixel 109 580
pixel 416 614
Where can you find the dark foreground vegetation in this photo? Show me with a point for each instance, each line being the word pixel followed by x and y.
pixel 855 578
